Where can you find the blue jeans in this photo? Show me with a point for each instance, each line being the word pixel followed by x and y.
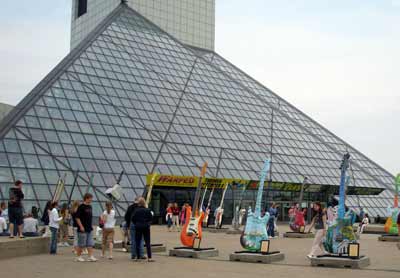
pixel 271 227
pixel 133 244
pixel 53 240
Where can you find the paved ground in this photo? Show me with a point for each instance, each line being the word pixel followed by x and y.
pixel 385 261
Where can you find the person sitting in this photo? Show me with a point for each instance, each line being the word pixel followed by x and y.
pixel 31 226
pixel 3 227
pixel 364 223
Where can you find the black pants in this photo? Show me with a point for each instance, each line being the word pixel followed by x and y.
pixel 143 232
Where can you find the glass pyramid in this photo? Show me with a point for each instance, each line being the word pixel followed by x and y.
pixel 131 97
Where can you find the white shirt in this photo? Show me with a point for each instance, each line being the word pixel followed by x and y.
pixel 31 225
pixel 4 214
pixel 3 225
pixel 365 221
pixel 54 219
pixel 109 219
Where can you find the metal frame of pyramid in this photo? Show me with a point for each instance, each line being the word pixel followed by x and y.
pixel 131 97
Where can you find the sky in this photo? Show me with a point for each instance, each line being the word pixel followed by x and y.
pixel 336 60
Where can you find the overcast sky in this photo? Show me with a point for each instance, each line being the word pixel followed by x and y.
pixel 336 60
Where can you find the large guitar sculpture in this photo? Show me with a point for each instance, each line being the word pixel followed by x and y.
pixel 219 212
pixel 192 228
pixel 391 223
pixel 297 222
pixel 341 232
pixel 256 226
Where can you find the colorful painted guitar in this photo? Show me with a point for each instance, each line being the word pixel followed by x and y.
pixel 391 223
pixel 219 212
pixel 192 228
pixel 297 223
pixel 341 233
pixel 256 226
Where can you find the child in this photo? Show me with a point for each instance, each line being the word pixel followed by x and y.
pixel 108 218
pixel 168 217
pixel 64 225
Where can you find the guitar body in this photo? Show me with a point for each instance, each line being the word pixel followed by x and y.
pixel 254 232
pixel 192 228
pixel 218 217
pixel 391 223
pixel 205 219
pixel 298 221
pixel 339 235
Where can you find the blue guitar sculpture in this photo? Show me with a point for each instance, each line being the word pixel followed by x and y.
pixel 341 233
pixel 256 226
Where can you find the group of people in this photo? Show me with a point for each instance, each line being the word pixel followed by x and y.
pixel 172 216
pixel 57 222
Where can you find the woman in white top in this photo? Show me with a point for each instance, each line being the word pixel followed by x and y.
pixel 364 223
pixel 54 225
pixel 108 218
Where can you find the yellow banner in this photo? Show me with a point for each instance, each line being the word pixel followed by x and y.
pixel 190 181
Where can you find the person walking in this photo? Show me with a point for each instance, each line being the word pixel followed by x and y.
pixel 83 217
pixel 15 209
pixel 142 219
pixel 74 209
pixel 64 225
pixel 168 217
pixel 54 226
pixel 132 230
pixel 108 218
pixel 175 217
pixel 319 224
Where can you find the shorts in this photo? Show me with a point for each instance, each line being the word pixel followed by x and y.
pixel 64 230
pixel 15 216
pixel 108 235
pixel 85 239
pixel 75 243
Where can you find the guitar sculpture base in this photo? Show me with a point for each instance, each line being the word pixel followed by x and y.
pixel 256 257
pixel 390 238
pixel 298 235
pixel 341 262
pixel 195 253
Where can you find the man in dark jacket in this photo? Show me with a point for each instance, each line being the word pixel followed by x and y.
pixel 132 228
pixel 142 218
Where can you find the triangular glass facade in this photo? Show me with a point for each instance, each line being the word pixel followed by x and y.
pixel 130 97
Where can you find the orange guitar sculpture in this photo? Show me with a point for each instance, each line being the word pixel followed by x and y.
pixel 194 218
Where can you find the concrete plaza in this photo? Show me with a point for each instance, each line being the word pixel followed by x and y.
pixel 385 261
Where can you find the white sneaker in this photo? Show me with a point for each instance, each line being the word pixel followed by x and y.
pixel 92 259
pixel 66 244
pixel 79 259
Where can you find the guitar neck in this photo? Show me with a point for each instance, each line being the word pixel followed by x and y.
pixel 396 194
pixel 223 196
pixel 198 190
pixel 263 175
pixel 342 189
pixel 302 191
